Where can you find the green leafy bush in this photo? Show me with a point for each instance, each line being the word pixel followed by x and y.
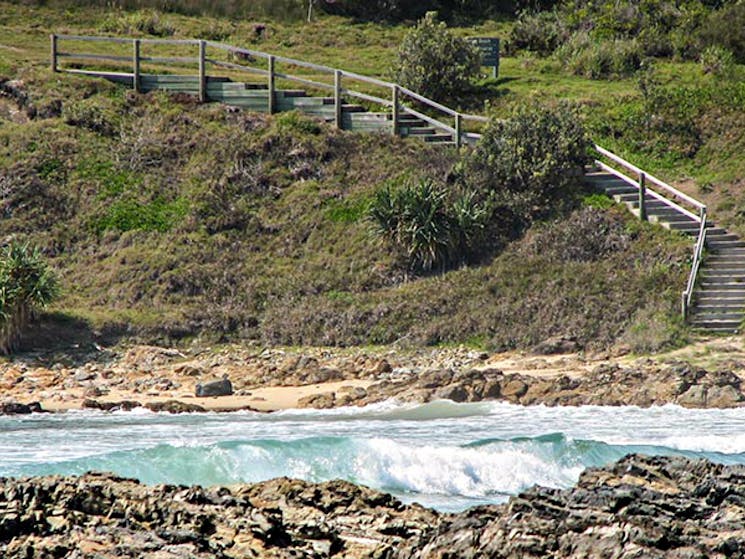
pixel 26 285
pixel 92 116
pixel 538 32
pixel 148 22
pixel 424 222
pixel 434 62
pixel 612 58
pixel 527 164
pixel 717 61
pixel 726 28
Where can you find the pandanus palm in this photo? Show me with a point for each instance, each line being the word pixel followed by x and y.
pixel 26 285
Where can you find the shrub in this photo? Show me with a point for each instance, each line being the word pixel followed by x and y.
pixel 215 30
pixel 435 63
pixel 432 230
pixel 26 285
pixel 149 22
pixel 587 235
pixel 726 28
pixel 92 116
pixel 613 58
pixel 540 32
pixel 717 61
pixel 525 164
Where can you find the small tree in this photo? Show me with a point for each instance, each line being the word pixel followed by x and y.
pixel 26 285
pixel 526 164
pixel 435 63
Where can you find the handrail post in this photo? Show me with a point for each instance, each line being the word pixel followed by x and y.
pixel 642 196
pixel 458 130
pixel 271 85
pixel 337 100
pixel 53 40
pixel 684 305
pixel 136 65
pixel 396 108
pixel 202 72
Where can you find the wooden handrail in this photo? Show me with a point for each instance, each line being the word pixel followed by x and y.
pixel 458 116
pixel 674 191
pixel 698 253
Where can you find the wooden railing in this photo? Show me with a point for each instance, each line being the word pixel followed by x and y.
pixel 396 100
pixel 668 195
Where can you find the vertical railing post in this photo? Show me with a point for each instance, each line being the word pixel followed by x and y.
pixel 53 39
pixel 136 65
pixel 642 196
pixel 337 99
pixel 271 86
pixel 202 71
pixel 396 109
pixel 458 130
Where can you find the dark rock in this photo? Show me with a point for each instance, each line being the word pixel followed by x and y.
pixel 221 387
pixel 174 406
pixel 323 401
pixel 124 405
pixel 556 345
pixel 16 408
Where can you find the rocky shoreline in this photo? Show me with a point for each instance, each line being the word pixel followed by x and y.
pixel 164 379
pixel 639 507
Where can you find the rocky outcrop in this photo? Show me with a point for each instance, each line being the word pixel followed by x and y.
pixel 16 408
pixel 103 516
pixel 638 507
pixel 609 385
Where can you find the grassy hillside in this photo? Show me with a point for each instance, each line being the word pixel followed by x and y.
pixel 170 220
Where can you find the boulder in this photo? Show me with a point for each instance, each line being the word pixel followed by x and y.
pixel 16 408
pixel 556 345
pixel 174 406
pixel 215 388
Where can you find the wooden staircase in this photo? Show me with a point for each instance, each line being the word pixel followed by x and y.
pixel 255 97
pixel 718 298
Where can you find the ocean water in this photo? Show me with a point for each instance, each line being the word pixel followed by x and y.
pixel 444 455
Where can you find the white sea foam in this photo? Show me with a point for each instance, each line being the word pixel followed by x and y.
pixel 439 453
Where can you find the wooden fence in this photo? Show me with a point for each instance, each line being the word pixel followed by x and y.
pixel 399 100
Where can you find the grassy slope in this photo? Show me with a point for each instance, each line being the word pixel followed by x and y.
pixel 255 227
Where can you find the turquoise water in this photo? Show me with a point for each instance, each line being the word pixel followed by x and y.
pixel 445 455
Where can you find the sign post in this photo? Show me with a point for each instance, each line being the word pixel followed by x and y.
pixel 489 48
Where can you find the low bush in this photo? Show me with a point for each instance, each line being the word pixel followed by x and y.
pixel 528 164
pixel 434 62
pixel 26 285
pixel 148 22
pixel 726 28
pixel 538 32
pixel 587 235
pixel 612 58
pixel 92 116
pixel 717 61
pixel 424 223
